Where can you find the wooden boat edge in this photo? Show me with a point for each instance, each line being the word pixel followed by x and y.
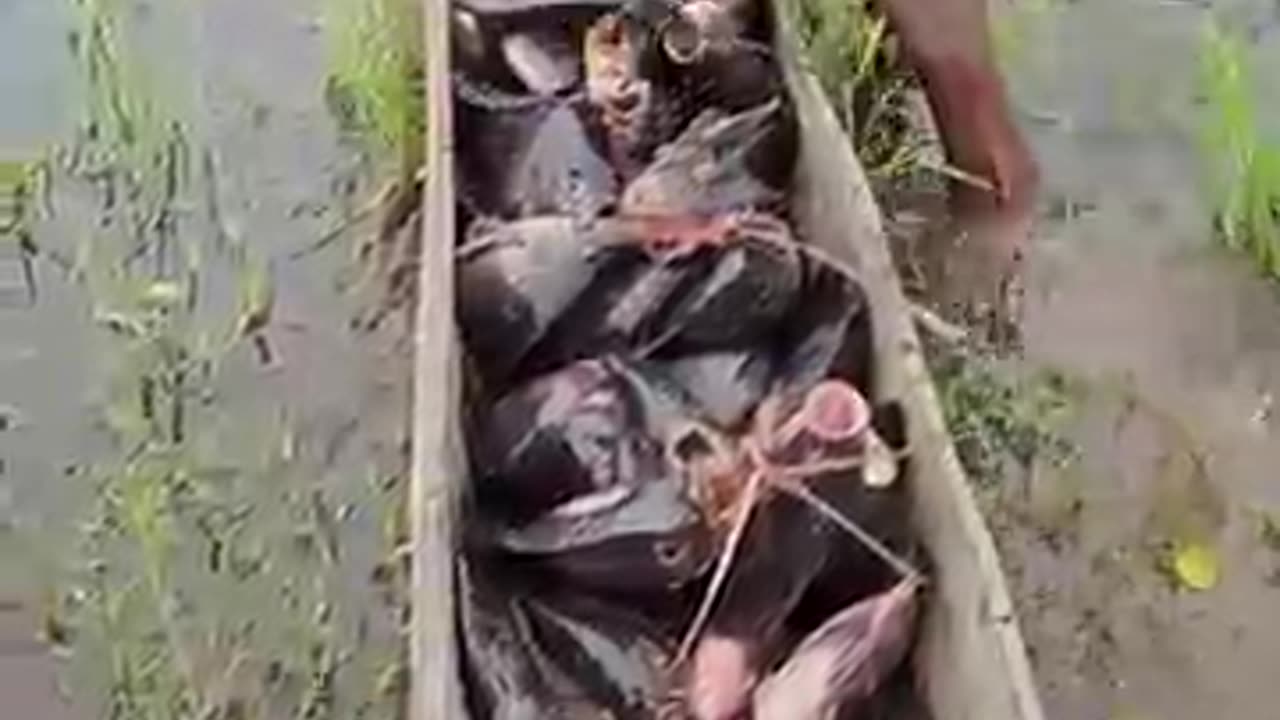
pixel 971 654
pixel 437 467
pixel 971 657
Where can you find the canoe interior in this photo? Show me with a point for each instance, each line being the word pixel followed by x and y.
pixel 970 663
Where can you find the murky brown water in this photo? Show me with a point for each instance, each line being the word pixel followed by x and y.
pixel 1178 346
pixel 1177 341
pixel 250 79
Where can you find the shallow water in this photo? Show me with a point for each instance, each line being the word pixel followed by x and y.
pixel 1174 339
pixel 1176 349
pixel 246 80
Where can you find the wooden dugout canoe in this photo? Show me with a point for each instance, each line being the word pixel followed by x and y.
pixel 970 663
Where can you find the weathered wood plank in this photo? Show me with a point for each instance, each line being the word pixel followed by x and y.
pixel 436 469
pixel 971 659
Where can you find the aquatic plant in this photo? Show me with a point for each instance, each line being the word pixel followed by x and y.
pixel 997 417
pixel 216 575
pixel 1242 165
pixel 375 87
pixel 850 49
pixel 23 184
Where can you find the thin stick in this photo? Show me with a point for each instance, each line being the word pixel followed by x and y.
pixel 802 493
pixel 746 504
pixel 955 173
pixel 379 199
pixel 930 321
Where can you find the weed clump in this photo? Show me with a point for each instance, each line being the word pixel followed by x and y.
pixel 853 53
pixel 216 574
pixel 997 418
pixel 1243 165
pixel 375 86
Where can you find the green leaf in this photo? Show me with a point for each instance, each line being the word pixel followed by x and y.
pixel 1196 565
pixel 163 292
pixel 14 174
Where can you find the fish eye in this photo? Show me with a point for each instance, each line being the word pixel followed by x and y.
pixel 671 553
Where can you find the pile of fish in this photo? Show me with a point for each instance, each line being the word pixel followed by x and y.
pixel 682 502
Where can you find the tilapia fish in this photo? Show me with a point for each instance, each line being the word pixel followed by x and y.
pixel 537 294
pixel 528 155
pixel 574 474
pixel 721 163
pixel 845 661
pixel 530 653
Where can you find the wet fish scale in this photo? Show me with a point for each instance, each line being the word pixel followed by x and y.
pixel 711 167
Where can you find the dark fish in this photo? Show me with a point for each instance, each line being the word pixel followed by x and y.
pixel 630 104
pixel 721 163
pixel 844 662
pixel 537 652
pixel 725 386
pixel 519 54
pixel 728 293
pixel 733 76
pixel 506 678
pixel 828 334
pixel 528 155
pixel 563 435
pixel 516 280
pixel 788 547
pixel 534 9
pixel 835 424
pixel 543 58
pixel 645 539
pixel 754 281
pixel 619 658
pixel 785 548
pixel 536 295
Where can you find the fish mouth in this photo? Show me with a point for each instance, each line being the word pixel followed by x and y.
pixel 683 42
pixel 835 411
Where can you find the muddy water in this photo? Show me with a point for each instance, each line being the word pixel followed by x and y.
pixel 246 79
pixel 1175 347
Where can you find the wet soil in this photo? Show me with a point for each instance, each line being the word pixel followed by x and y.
pixel 1173 349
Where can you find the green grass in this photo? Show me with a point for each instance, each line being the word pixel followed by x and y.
pixel 1243 165
pixel 23 184
pixel 214 577
pixel 852 52
pixel 997 417
pixel 375 70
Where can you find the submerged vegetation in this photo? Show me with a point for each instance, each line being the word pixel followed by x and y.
pixel 1243 164
pixel 22 185
pixel 997 417
pixel 376 91
pixel 219 573
pixel 375 87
